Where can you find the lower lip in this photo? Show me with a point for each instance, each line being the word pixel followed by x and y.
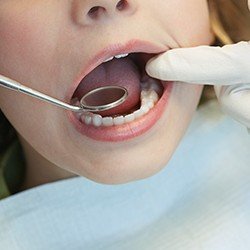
pixel 125 131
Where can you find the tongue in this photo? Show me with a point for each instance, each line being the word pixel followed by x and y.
pixel 118 72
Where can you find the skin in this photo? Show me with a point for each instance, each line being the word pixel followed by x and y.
pixel 45 44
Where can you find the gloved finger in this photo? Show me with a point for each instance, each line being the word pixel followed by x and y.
pixel 235 101
pixel 203 65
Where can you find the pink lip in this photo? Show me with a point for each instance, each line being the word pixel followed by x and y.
pixel 130 130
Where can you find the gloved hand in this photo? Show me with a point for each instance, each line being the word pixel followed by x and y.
pixel 228 68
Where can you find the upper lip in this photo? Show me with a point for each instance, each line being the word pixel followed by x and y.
pixel 112 50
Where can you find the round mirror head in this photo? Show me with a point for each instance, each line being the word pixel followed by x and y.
pixel 104 98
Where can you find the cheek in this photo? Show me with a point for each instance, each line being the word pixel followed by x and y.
pixel 188 22
pixel 27 45
pixel 21 57
pixel 196 29
pixel 19 32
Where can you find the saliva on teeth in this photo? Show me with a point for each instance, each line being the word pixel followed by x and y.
pixel 149 98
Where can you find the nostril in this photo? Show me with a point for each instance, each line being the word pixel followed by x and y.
pixel 121 5
pixel 95 11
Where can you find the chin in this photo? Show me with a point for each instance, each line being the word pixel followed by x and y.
pixel 124 173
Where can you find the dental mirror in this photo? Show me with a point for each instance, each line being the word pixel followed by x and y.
pixel 104 98
pixel 99 99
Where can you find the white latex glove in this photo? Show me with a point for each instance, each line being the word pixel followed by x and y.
pixel 228 68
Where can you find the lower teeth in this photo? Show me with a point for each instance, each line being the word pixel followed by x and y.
pixel 149 98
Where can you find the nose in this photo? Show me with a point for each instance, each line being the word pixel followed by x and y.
pixel 89 11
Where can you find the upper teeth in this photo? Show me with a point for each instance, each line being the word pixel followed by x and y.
pixel 121 55
pixel 117 56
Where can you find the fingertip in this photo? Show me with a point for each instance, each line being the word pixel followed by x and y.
pixel 154 68
pixel 151 67
pixel 217 90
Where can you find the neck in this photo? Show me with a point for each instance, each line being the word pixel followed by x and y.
pixel 38 169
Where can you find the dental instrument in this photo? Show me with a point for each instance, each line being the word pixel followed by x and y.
pixel 90 102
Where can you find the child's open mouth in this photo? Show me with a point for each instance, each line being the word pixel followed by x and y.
pixel 146 100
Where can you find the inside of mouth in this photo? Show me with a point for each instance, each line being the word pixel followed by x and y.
pixel 128 72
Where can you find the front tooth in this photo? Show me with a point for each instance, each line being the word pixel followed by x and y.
pixel 109 59
pixel 87 119
pixel 138 113
pixel 119 120
pixel 121 55
pixel 97 120
pixel 129 118
pixel 107 121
